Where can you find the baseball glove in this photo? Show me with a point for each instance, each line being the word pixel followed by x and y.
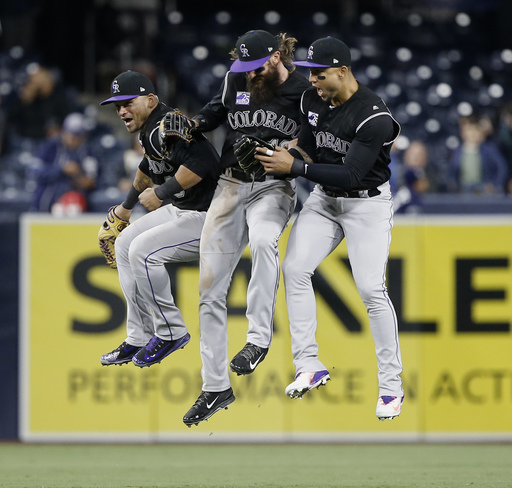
pixel 245 148
pixel 174 126
pixel 108 233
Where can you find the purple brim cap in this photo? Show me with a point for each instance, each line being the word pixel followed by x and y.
pixel 308 64
pixel 118 98
pixel 246 66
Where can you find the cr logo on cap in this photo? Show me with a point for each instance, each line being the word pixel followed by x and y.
pixel 310 52
pixel 115 87
pixel 244 50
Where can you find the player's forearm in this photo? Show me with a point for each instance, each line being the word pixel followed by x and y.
pixel 326 174
pixel 208 123
pixel 298 152
pixel 142 181
pixel 131 199
pixel 211 115
pixel 168 189
pixel 183 180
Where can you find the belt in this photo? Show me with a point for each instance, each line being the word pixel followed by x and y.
pixel 352 194
pixel 240 174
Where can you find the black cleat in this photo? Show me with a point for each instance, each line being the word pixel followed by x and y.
pixel 247 359
pixel 207 404
pixel 123 354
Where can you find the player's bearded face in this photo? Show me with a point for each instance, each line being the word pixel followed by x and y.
pixel 263 86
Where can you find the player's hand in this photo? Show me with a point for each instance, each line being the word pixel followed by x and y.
pixel 149 200
pixel 278 163
pixel 108 233
pixel 292 143
pixel 123 213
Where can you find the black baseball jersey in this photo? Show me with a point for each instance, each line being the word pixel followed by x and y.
pixel 276 122
pixel 355 136
pixel 199 156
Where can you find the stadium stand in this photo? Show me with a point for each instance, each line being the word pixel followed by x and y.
pixel 432 62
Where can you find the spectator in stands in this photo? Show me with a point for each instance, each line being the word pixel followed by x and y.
pixel 119 165
pixel 394 166
pixel 477 165
pixel 66 165
pixel 40 109
pixel 414 180
pixel 131 159
pixel 504 139
pixel 3 117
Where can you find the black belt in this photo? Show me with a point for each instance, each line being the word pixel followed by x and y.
pixel 240 174
pixel 352 194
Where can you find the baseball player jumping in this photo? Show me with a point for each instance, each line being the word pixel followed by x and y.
pixel 259 96
pixel 175 181
pixel 347 130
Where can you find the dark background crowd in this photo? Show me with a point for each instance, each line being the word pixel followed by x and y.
pixel 444 67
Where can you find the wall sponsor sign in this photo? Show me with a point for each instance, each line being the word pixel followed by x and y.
pixel 451 283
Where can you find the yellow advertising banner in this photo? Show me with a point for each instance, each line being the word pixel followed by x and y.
pixel 450 280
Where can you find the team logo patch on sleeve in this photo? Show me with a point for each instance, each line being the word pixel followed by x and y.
pixel 242 98
pixel 313 118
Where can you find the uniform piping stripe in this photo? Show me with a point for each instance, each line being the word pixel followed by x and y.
pixel 150 139
pixel 370 118
pixel 149 279
pixel 301 103
pixel 387 143
pixel 392 308
pixel 225 88
pixel 276 285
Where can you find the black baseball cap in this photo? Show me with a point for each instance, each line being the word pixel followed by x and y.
pixel 254 48
pixel 128 85
pixel 327 52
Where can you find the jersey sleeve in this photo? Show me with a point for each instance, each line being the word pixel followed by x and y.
pixel 360 158
pixel 144 166
pixel 200 158
pixel 214 113
pixel 154 140
pixel 369 139
pixel 306 138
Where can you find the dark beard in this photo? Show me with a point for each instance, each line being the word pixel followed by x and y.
pixel 263 88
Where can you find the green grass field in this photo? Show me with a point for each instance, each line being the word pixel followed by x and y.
pixel 243 466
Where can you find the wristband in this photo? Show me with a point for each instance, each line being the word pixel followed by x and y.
pixel 201 122
pixel 168 189
pixel 295 153
pixel 131 199
pixel 299 167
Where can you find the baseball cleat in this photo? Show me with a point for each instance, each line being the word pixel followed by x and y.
pixel 305 382
pixel 247 359
pixel 207 404
pixel 157 349
pixel 122 355
pixel 389 407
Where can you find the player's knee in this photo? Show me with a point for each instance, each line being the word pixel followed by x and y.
pixel 137 252
pixel 372 298
pixel 288 268
pixel 294 273
pixel 210 290
pixel 263 243
pixel 121 249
